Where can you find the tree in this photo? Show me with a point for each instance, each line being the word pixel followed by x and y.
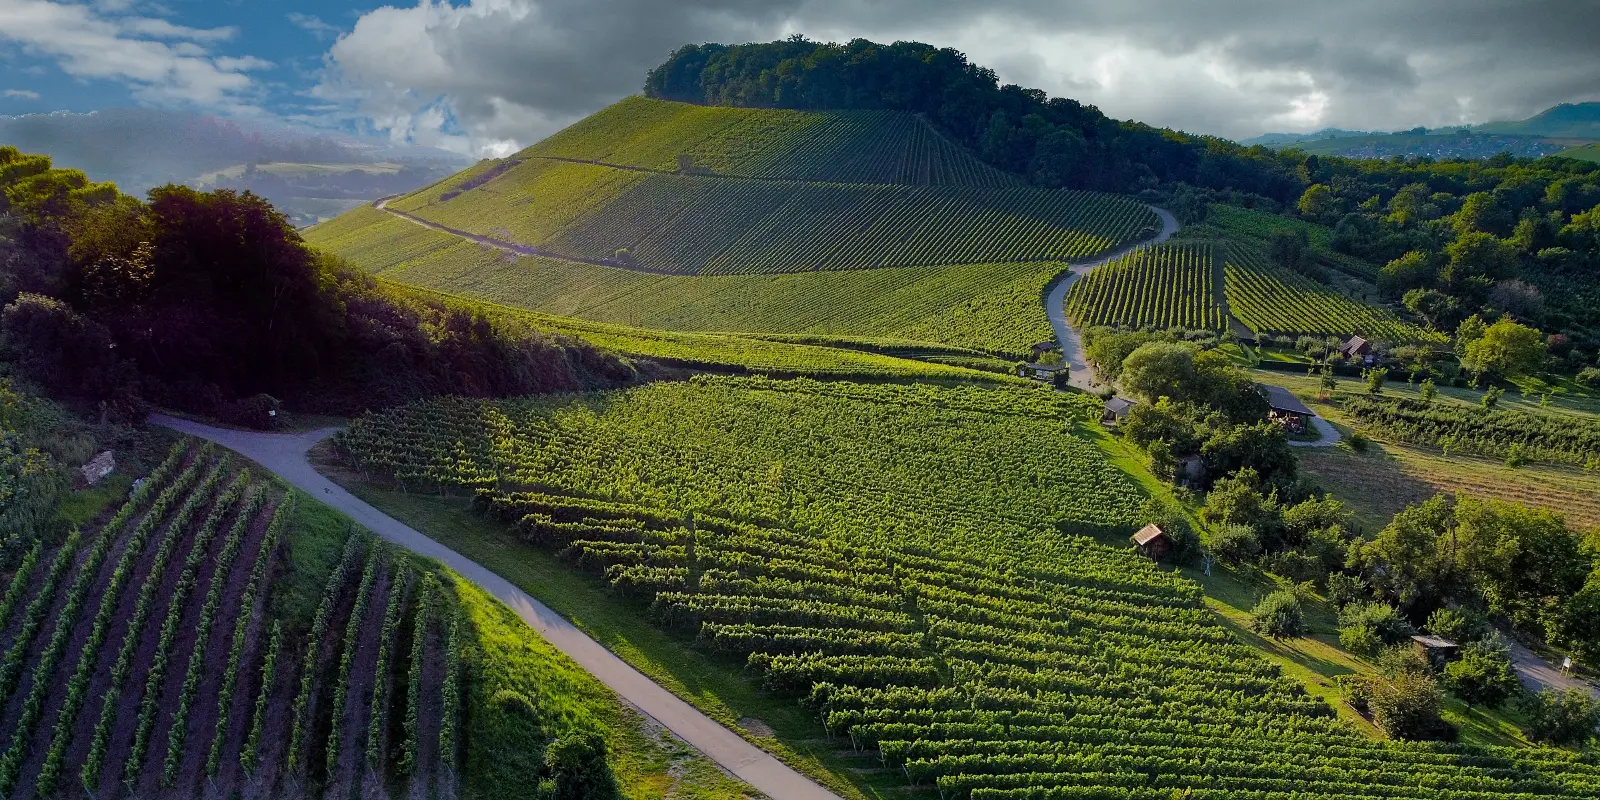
pixel 66 353
pixel 1318 203
pixel 1506 347
pixel 1562 717
pixel 1403 562
pixel 1235 543
pixel 1279 615
pixel 1481 213
pixel 1414 270
pixel 1436 308
pixel 1517 298
pixel 1289 248
pixel 1477 259
pixel 1491 397
pixel 1374 378
pixel 1160 369
pixel 1427 391
pixel 1523 560
pixel 1579 626
pixel 1365 628
pixel 1470 330
pixel 1482 676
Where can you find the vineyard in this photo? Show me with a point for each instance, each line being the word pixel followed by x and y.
pixel 699 225
pixel 1274 301
pixel 831 146
pixel 215 637
pixel 988 307
pixel 915 597
pixel 1167 286
pixel 1491 433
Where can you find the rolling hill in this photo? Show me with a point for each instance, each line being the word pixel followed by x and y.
pixel 689 218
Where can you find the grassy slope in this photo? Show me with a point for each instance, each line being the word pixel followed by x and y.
pixel 1588 152
pixel 991 307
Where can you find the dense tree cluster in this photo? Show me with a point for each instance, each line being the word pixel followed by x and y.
pixel 210 302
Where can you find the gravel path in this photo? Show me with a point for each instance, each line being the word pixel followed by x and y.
pixel 285 454
pixel 1537 673
pixel 1081 375
pixel 1328 435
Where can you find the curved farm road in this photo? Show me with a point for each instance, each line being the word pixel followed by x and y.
pixel 285 454
pixel 1080 374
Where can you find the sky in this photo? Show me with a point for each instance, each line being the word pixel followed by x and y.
pixel 486 77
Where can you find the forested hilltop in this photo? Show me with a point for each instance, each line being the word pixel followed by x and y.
pixel 1456 230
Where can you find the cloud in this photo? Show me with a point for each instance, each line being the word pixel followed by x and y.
pixel 313 25
pixel 161 62
pixel 21 94
pixel 489 75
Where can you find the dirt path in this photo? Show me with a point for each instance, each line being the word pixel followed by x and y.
pixel 285 454
pixel 230 774
pixel 1080 374
pixel 346 777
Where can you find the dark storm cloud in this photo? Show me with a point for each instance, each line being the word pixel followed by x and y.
pixel 506 72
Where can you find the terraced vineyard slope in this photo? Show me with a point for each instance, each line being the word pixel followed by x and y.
pixel 213 636
pixel 831 146
pixel 707 225
pixel 1271 300
pixel 1165 286
pixel 919 599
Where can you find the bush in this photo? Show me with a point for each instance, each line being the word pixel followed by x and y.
pixel 1590 377
pixel 66 353
pixel 576 768
pixel 1364 628
pixel 1455 624
pixel 1407 707
pixel 1562 717
pixel 258 412
pixel 1483 675
pixel 1279 615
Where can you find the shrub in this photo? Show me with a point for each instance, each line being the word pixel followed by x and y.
pixel 576 768
pixel 1483 675
pixel 257 412
pixel 1407 707
pixel 1590 376
pixel 1364 628
pixel 1562 717
pixel 1279 615
pixel 1454 624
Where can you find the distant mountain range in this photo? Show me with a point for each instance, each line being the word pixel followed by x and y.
pixel 1550 131
pixel 140 148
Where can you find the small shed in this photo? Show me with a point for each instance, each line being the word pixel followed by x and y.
pixel 1041 348
pixel 1436 650
pixel 98 468
pixel 1117 409
pixel 1152 542
pixel 1356 347
pixel 1287 410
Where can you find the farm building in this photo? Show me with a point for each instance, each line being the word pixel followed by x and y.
pixel 1041 348
pixel 1357 348
pixel 1437 651
pixel 1117 409
pixel 1152 542
pixel 1287 410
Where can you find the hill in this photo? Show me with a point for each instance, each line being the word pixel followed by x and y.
pixel 1565 121
pixel 1588 152
pixel 1451 144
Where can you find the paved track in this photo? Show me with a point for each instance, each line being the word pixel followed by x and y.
pixel 1080 374
pixel 285 454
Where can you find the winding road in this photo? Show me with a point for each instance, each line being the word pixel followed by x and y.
pixel 285 454
pixel 1079 373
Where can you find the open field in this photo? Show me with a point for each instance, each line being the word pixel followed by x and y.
pixel 1095 671
pixel 989 307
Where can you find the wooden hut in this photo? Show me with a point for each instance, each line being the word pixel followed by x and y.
pixel 1152 542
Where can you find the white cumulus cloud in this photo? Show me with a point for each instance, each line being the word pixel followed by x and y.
pixel 161 62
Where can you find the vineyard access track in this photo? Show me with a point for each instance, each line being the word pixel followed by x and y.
pixel 285 455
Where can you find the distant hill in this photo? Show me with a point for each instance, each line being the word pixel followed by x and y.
pixel 139 149
pixel 1271 139
pixel 1588 152
pixel 1566 121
